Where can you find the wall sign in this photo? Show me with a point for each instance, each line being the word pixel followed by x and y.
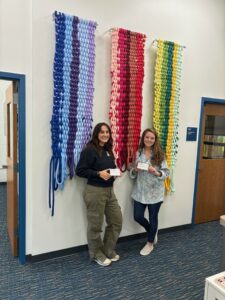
pixel 191 134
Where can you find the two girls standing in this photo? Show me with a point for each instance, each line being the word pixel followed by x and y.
pixel 95 162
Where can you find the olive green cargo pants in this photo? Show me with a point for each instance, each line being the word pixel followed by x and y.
pixel 100 202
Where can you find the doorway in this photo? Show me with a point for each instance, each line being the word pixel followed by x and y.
pixel 209 200
pixel 20 167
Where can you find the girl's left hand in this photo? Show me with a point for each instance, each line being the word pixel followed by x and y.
pixel 153 171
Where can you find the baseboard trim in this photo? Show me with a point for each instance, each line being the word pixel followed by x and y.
pixel 69 251
pixel 55 254
pixel 161 231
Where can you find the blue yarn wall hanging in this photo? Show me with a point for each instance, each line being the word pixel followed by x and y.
pixel 73 74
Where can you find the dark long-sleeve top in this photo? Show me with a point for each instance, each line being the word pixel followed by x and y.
pixel 91 163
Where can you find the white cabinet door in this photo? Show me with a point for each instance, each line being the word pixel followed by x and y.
pixel 213 294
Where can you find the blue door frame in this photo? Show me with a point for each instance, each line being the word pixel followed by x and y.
pixel 205 100
pixel 22 160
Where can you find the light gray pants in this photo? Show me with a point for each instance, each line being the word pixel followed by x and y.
pixel 100 202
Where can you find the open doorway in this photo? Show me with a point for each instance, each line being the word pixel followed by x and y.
pixel 14 166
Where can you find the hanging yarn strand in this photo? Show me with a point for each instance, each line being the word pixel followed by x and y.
pixel 73 79
pixel 127 73
pixel 85 86
pixel 73 74
pixel 166 101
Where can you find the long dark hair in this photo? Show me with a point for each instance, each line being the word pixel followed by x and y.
pixel 157 152
pixel 95 141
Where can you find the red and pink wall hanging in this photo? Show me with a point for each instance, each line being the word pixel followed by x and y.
pixel 127 73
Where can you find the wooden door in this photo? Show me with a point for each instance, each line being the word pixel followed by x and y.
pixel 210 197
pixel 12 190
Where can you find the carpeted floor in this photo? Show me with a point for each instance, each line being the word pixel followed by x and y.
pixel 175 270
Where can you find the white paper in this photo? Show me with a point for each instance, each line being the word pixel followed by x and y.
pixel 114 172
pixel 143 166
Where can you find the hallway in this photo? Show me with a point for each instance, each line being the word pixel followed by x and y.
pixel 175 270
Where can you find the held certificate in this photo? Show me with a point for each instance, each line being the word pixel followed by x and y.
pixel 114 172
pixel 143 166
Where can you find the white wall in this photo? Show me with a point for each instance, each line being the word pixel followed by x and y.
pixel 198 24
pixel 3 161
pixel 15 57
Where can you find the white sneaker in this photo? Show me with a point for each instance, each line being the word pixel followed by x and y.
pixel 147 249
pixel 103 263
pixel 116 257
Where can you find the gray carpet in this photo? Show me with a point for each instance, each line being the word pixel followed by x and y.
pixel 176 269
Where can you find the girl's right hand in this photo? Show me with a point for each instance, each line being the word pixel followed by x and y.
pixel 104 174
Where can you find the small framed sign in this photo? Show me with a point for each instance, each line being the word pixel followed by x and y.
pixel 191 134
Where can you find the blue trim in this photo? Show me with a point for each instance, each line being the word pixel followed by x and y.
pixel 204 101
pixel 22 160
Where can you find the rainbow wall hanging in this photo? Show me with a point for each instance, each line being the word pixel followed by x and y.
pixel 73 75
pixel 127 72
pixel 166 103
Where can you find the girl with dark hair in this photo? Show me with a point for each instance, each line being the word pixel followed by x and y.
pixel 96 162
pixel 150 170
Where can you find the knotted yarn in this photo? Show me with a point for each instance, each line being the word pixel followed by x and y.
pixel 73 76
pixel 166 101
pixel 127 75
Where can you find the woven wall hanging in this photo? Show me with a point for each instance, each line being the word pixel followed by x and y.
pixel 73 75
pixel 127 72
pixel 166 101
